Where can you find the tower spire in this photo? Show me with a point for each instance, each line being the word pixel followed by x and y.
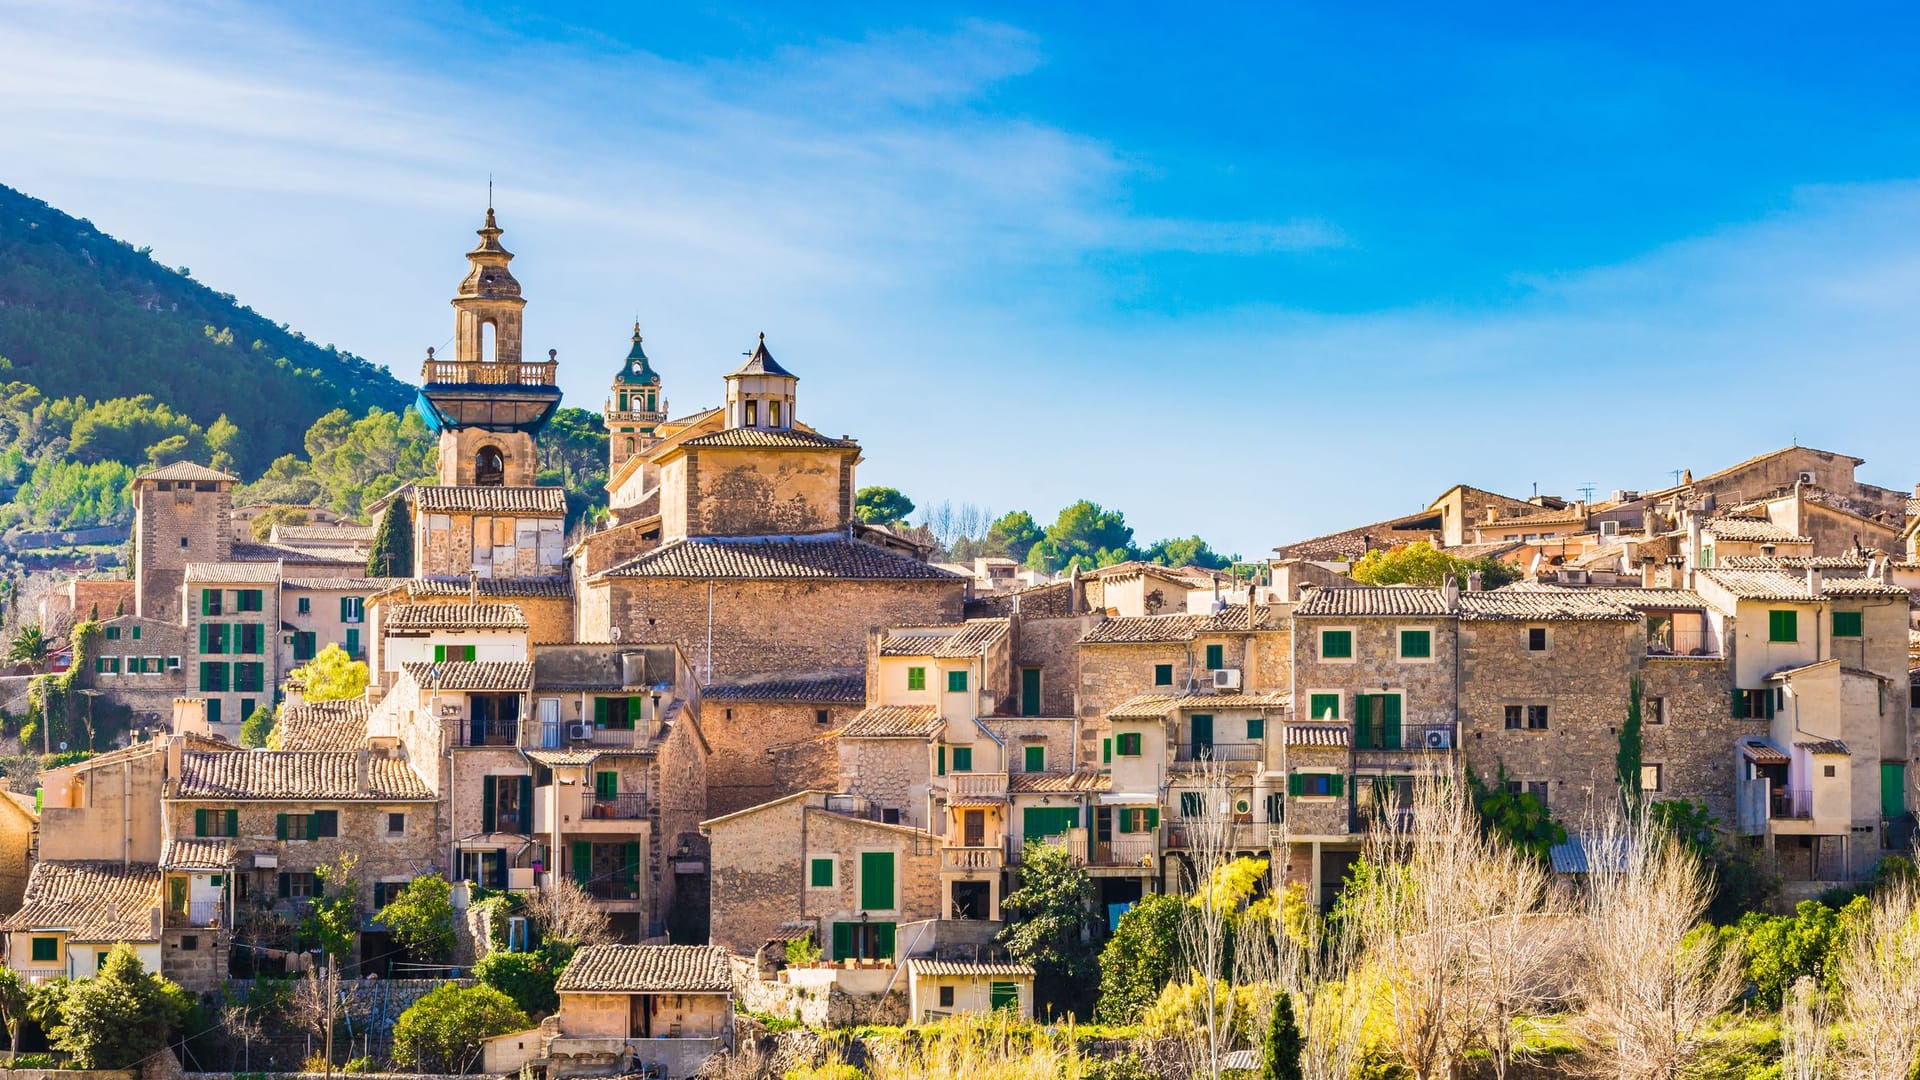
pixel 636 408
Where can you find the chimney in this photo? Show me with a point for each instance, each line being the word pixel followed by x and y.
pixel 1813 580
pixel 1493 514
pixel 1646 522
pixel 1647 575
pixel 1473 581
pixel 1450 593
pixel 473 586
pixel 174 745
pixel 363 770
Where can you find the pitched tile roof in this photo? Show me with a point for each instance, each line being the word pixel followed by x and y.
pixel 1142 707
pixel 1763 752
pixel 835 689
pixel 782 557
pixel 1792 562
pixel 91 901
pixel 197 853
pixel 1150 629
pixel 1824 747
pixel 1861 586
pixel 1353 543
pixel 935 968
pixel 1366 600
pixel 345 531
pixel 347 559
pixel 1760 584
pixel 301 775
pixel 1752 530
pixel 763 439
pixel 1659 599
pixel 472 499
pixel 1528 606
pixel 489 587
pixel 686 969
pixel 1316 735
pixel 455 617
pixel 342 584
pixel 969 639
pixel 564 757
pixel 502 675
pixel 184 470
pixel 894 722
pixel 246 572
pixel 1037 783
pixel 324 725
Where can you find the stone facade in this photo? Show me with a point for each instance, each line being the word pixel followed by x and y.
pixel 363 832
pixel 895 774
pixel 177 521
pixel 733 492
pixel 744 770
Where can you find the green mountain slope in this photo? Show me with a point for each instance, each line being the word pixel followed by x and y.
pixel 85 314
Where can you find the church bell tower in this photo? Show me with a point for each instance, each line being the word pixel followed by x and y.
pixel 635 408
pixel 488 403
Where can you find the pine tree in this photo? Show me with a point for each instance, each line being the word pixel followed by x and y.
pixel 392 554
pixel 1282 1058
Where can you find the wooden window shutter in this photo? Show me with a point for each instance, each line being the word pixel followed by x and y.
pixel 1336 785
pixel 280 833
pixel 842 940
pixel 1363 721
pixel 526 801
pixel 885 933
pixel 1153 818
pixel 233 823
pixel 940 759
pixel 582 862
pixel 488 813
pixel 199 822
pixel 600 712
pixel 286 880
pixel 1294 783
pixel 630 862
pixel 876 880
pixel 1106 751
pixel 1390 722
pixel 635 711
pixel 326 823
pixel 1126 820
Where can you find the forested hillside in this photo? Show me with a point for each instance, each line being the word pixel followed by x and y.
pixel 83 314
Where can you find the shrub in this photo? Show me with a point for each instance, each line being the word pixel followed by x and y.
pixel 1140 958
pixel 442 1031
pixel 421 918
pixel 119 1017
pixel 527 978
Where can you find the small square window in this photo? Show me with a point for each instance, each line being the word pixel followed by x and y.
pixel 916 678
pixel 189 942
pixel 1655 711
pixel 946 997
pixel 1163 674
pixel 183 541
pixel 1783 626
pixel 1216 657
pixel 1830 771
pixel 820 872
pixel 1650 777
pixel 1323 706
pixel 396 824
pixel 1847 623
pixel 963 759
pixel 1257 728
pixel 1336 644
pixel 956 682
pixel 305 605
pixel 1536 639
pixel 46 950
pixel 1536 718
pixel 820 716
pixel 1035 759
pixel 1127 744
pixel 1516 717
pixel 889 816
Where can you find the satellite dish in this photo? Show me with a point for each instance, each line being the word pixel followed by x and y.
pixel 615 631
pixel 63 744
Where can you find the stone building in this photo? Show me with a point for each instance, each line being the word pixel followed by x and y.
pixel 75 912
pixel 748 721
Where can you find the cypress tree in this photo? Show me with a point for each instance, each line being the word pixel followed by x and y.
pixel 392 554
pixel 1627 761
pixel 1282 1057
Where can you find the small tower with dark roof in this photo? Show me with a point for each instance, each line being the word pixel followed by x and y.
pixel 635 408
pixel 761 393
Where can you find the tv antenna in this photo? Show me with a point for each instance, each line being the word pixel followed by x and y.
pixel 1587 489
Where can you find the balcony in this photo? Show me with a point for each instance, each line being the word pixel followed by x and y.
pixel 972 858
pixel 1129 851
pixel 613 890
pixel 1375 748
pixel 486 733
pixel 561 736
pixel 1229 753
pixel 977 785
pixel 1790 804
pixel 1685 643
pixel 36 976
pixel 205 913
pixel 1239 836
pixel 487 373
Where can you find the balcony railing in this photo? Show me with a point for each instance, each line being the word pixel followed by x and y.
pixel 1238 835
pixel 1790 803
pixel 627 806
pixel 613 890
pixel 977 785
pixel 1684 643
pixel 1412 739
pixel 1131 850
pixel 196 913
pixel 1366 819
pixel 972 858
pixel 560 736
pixel 36 976
pixel 486 734
pixel 488 373
pixel 1192 752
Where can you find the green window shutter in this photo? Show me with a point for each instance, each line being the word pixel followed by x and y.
pixel 885 933
pixel 326 823
pixel 600 712
pixel 1257 727
pixel 439 654
pixel 1106 750
pixel 842 940
pixel 1783 626
pixel 46 950
pixel 634 712
pixel 1036 759
pixel 1003 995
pixel 1191 804
pixel 1893 789
pixel 956 682
pixel 1846 624
pixel 1030 691
pixel 526 801
pixel 1336 644
pixel 1336 785
pixel 1126 819
pixel 488 803
pixel 206 603
pixel 1324 706
pixel 1390 721
pixel 822 874
pixel 1416 644
pixel 203 637
pixel 233 823
pixel 606 785
pixel 940 759
pixel 1363 721
pixel 582 862
pixel 630 862
pixel 1295 784
pixel 916 678
pixel 280 833
pixel 876 880
pixel 1216 657
pixel 1153 818
pixel 353 644
pixel 213 711
pixel 199 821
pixel 1739 704
pixel 286 884
pixel 346 613
pixel 1200 732
pixel 136 633
pixel 963 759
pixel 1163 674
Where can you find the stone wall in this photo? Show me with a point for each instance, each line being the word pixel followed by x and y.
pixel 362 833
pixel 743 772
pixel 516 546
pixel 1694 744
pixel 916 870
pixel 1050 645
pixel 176 524
pixel 679 783
pixel 203 967
pixel 894 774
pixel 755 871
pixel 759 625
pixel 734 492
pixel 16 850
pixel 819 1001
pixel 1426 686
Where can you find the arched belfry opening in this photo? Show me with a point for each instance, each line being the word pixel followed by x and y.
pixel 489 467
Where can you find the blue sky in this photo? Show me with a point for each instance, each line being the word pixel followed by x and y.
pixel 1253 272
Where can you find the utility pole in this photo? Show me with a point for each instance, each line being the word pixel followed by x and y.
pixel 332 985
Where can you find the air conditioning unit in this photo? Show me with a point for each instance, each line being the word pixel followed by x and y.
pixel 1609 528
pixel 1439 739
pixel 1226 679
pixel 1806 478
pixel 579 732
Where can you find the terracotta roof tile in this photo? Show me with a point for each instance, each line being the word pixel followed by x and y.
pixel 346 531
pixel 341 558
pixel 1353 543
pixel 763 439
pixel 934 968
pixel 197 853
pixel 1367 600
pixel 246 572
pixel 786 557
pixel 295 775
pixel 91 901
pixel 471 499
pixel 324 725
pixel 1792 562
pixel 969 639
pixel 1317 735
pixel 1529 606
pixel 342 584
pixel 489 587
pixel 686 969
pixel 502 675
pixel 184 470
pixel 1025 783
pixel 1862 586
pixel 894 722
pixel 1661 599
pixel 824 689
pixel 1752 530
pixel 1824 747
pixel 1764 752
pixel 454 617
pixel 1143 707
pixel 1760 584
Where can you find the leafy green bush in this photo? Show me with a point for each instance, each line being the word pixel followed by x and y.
pixel 421 918
pixel 527 978
pixel 1140 958
pixel 119 1017
pixel 442 1031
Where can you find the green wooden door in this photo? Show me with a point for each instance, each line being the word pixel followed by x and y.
pixel 1030 691
pixel 1200 736
pixel 1390 721
pixel 1363 721
pixel 1893 789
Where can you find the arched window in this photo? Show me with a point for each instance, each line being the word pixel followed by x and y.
pixel 489 467
pixel 629 444
pixel 488 340
pixel 773 414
